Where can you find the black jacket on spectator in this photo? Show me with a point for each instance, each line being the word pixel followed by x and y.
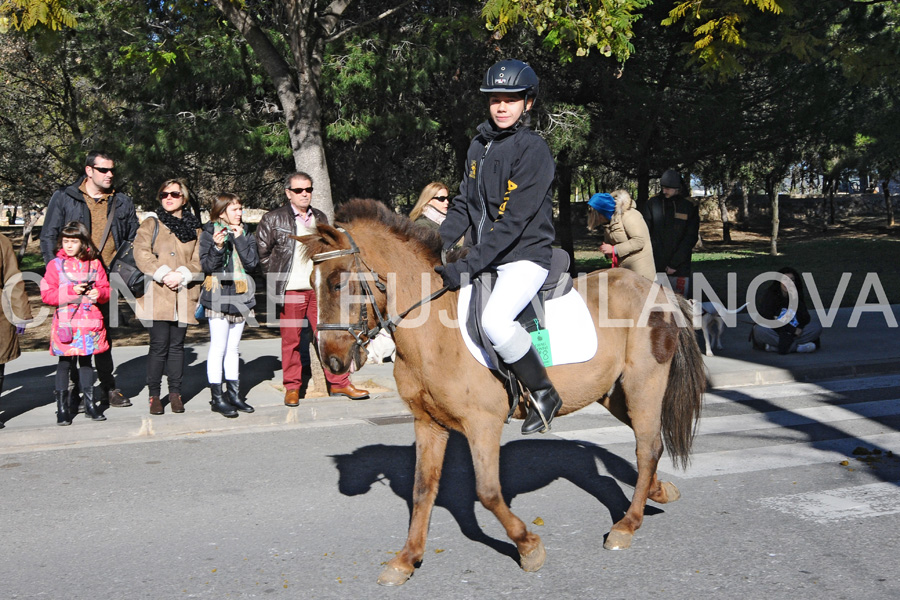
pixel 674 226
pixel 218 263
pixel 67 204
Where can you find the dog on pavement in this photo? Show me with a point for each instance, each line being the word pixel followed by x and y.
pixel 709 316
pixel 380 348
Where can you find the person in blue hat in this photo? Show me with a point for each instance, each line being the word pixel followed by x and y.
pixel 625 234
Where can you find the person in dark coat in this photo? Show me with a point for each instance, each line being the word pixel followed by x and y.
pixel 784 301
pixel 674 225
pixel 94 201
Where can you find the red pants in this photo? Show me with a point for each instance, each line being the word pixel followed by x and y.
pixel 299 305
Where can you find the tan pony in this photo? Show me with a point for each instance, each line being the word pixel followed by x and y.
pixel 649 375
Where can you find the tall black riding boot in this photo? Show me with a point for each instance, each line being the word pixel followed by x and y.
pixel 62 407
pixel 86 377
pixel 218 403
pixel 545 402
pixel 231 396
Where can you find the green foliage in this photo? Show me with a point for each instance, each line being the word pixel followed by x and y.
pixel 571 27
pixel 26 14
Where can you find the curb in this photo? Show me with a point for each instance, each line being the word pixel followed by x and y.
pixel 131 425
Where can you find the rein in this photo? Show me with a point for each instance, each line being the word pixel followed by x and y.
pixel 360 328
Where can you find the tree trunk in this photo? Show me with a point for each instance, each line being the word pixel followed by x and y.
pixel 564 194
pixel 745 202
pixel 887 203
pixel 726 221
pixel 297 85
pixel 30 220
pixel 643 186
pixel 773 199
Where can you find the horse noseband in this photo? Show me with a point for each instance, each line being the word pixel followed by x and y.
pixel 360 328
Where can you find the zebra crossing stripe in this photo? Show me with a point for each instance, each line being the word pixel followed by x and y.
pixel 710 464
pixel 620 434
pixel 871 500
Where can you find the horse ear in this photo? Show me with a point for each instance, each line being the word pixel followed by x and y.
pixel 326 238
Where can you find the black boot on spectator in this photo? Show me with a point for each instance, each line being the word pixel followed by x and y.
pixel 232 397
pixel 218 403
pixel 62 407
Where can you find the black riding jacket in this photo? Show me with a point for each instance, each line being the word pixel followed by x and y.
pixel 505 200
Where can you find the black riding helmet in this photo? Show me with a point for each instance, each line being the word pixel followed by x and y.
pixel 511 76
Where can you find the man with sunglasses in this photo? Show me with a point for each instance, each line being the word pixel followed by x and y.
pixel 94 201
pixel 288 270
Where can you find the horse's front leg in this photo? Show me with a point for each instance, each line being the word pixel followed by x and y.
pixel 431 444
pixel 484 443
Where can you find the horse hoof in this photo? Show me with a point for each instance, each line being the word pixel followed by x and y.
pixel 393 576
pixel 672 493
pixel 617 540
pixel 534 560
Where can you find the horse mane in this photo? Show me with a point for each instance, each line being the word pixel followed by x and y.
pixel 368 209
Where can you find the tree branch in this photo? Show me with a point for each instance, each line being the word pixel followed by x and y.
pixel 353 28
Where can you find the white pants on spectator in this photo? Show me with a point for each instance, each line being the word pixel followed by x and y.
pixel 224 338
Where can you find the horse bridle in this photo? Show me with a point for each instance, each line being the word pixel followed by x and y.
pixel 360 328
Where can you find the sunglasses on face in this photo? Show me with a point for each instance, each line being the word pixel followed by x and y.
pixel 308 190
pixel 441 198
pixel 176 195
pixel 104 170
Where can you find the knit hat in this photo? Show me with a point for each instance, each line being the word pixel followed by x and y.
pixel 604 204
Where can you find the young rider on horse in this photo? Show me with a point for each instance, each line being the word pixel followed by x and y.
pixel 505 205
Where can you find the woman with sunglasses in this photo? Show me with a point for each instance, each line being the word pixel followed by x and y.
pixel 166 248
pixel 431 209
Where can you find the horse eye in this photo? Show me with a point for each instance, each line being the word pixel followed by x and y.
pixel 341 283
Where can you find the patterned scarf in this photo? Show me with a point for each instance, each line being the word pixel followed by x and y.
pixel 239 275
pixel 185 228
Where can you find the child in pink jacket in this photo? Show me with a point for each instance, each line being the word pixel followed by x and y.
pixel 76 282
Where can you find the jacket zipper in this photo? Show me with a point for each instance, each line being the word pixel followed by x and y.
pixel 480 194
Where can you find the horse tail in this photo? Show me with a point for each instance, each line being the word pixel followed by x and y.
pixel 684 392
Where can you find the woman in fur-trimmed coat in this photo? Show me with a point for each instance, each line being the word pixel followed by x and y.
pixel 625 234
pixel 172 260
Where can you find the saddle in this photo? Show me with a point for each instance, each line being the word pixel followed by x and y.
pixel 533 318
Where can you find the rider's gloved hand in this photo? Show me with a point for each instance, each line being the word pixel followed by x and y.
pixel 450 274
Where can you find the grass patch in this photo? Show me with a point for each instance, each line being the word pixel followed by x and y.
pixel 833 263
pixel 32 262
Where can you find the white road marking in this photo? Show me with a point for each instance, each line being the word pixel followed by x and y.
pixel 872 500
pixel 749 422
pixel 716 464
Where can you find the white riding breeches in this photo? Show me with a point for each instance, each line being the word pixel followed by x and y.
pixel 515 286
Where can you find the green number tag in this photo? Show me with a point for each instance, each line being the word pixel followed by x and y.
pixel 540 339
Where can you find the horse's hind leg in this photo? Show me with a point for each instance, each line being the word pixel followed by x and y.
pixel 484 443
pixel 431 444
pixel 648 447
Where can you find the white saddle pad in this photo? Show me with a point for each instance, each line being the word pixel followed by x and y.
pixel 573 338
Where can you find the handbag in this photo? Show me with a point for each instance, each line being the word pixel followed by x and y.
pixel 65 333
pixel 124 264
pixel 200 312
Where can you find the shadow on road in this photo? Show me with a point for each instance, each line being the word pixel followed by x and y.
pixel 525 466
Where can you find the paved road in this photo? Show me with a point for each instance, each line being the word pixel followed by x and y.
pixel 768 509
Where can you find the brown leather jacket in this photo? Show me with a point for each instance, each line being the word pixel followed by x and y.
pixel 275 246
